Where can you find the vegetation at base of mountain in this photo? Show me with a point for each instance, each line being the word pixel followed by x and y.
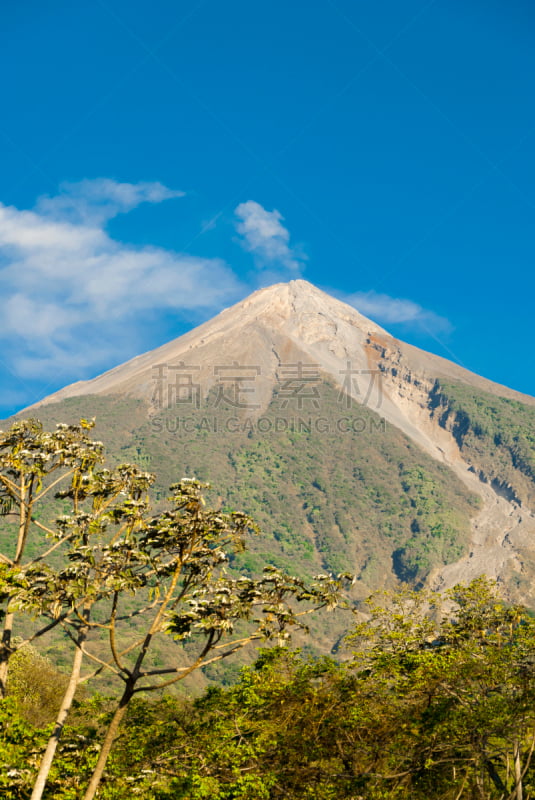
pixel 496 436
pixel 36 685
pixel 435 700
pixel 111 545
pixel 332 489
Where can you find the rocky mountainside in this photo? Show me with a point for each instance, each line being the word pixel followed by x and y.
pixel 354 450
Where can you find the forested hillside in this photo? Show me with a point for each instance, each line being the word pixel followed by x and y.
pixel 421 707
pixel 496 436
pixel 363 498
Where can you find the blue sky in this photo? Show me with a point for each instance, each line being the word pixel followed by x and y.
pixel 161 160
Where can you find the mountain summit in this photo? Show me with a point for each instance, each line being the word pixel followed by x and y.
pixel 272 324
pixel 266 357
pixel 286 324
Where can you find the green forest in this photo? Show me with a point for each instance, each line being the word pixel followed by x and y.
pixel 369 497
pixel 496 436
pixel 427 695
pixel 418 709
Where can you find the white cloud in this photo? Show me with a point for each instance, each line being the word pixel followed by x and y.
pixel 390 310
pixel 265 236
pixel 34 319
pixel 95 201
pixel 73 296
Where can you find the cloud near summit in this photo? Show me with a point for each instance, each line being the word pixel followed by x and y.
pixel 396 310
pixel 264 235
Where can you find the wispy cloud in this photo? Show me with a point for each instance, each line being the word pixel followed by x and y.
pixel 98 200
pixel 73 295
pixel 395 310
pixel 264 235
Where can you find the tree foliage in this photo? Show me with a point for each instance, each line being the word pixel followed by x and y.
pixel 34 463
pixel 113 546
pixel 435 702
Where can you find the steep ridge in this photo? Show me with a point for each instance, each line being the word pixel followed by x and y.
pixel 280 340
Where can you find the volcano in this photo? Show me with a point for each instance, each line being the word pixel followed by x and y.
pixel 354 450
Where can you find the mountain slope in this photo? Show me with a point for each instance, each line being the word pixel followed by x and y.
pixel 354 450
pixel 273 326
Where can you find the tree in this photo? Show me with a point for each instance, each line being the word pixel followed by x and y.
pixel 35 685
pixel 101 563
pixel 34 463
pixel 437 702
pixel 457 688
pixel 186 551
pixel 112 547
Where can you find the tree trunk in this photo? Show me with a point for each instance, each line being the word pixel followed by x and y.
pixel 5 644
pixel 518 772
pixel 66 703
pixel 5 652
pixel 108 742
pixel 497 781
